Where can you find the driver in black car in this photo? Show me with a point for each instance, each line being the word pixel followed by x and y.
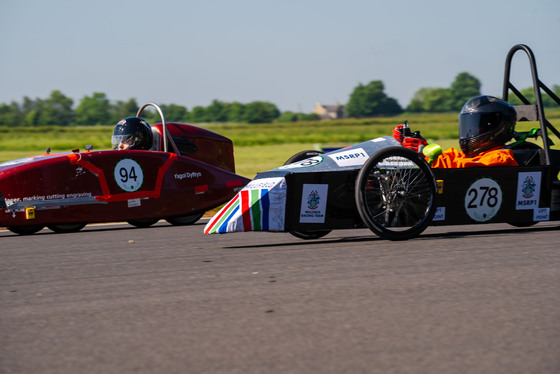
pixel 486 124
pixel 132 133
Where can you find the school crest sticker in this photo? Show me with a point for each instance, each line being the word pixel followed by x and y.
pixel 528 190
pixel 313 203
pixel 528 187
pixel 313 200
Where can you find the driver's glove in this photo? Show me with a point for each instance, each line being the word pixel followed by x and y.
pixel 416 144
pixel 398 133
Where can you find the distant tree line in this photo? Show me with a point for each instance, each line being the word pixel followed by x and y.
pixel 464 87
pixel 370 100
pixel 98 110
pixel 367 100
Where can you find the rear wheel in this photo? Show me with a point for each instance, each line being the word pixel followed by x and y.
pixel 395 193
pixel 522 224
pixel 525 145
pixel 25 230
pixel 143 223
pixel 307 235
pixel 185 220
pixel 67 227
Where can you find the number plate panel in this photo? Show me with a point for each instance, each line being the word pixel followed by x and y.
pixel 488 194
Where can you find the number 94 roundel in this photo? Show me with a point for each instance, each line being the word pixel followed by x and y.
pixel 129 175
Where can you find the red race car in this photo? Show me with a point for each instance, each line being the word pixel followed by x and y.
pixel 184 171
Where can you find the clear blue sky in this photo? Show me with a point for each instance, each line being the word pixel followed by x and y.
pixel 291 53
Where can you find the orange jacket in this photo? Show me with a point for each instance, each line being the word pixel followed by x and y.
pixel 452 158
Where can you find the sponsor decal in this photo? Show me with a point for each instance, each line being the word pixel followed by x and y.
pixel 188 175
pixel 528 190
pixel 267 183
pixel 72 195
pixel 128 175
pixel 351 157
pixel 541 214
pixel 312 161
pixel 313 203
pixel 396 162
pixel 133 203
pixel 440 214
pixel 483 199
pixel 259 206
pixel 55 196
pixel 80 171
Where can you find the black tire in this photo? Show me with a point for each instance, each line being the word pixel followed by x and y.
pixel 302 156
pixel 143 223
pixel 25 230
pixel 396 193
pixel 522 224
pixel 66 227
pixel 307 235
pixel 527 145
pixel 185 220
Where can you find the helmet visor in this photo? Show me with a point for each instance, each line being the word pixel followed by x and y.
pixel 474 124
pixel 122 141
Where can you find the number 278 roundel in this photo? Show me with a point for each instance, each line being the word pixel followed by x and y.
pixel 128 175
pixel 483 199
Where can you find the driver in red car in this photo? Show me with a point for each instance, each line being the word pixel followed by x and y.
pixel 132 133
pixel 486 124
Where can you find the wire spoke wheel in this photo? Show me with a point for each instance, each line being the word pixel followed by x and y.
pixel 395 193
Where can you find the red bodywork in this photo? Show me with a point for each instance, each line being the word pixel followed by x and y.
pixel 111 185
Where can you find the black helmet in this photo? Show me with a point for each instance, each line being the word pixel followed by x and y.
pixel 133 131
pixel 485 122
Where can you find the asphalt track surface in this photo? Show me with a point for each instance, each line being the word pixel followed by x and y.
pixel 116 299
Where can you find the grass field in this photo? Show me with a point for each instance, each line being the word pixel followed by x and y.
pixel 258 147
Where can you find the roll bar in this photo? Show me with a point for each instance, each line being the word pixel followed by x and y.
pixel 166 137
pixel 537 109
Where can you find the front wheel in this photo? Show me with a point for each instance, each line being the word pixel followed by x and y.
pixel 395 193
pixel 143 223
pixel 306 235
pixel 309 235
pixel 185 220
pixel 25 230
pixel 67 227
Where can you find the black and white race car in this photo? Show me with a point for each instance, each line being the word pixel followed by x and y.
pixel 393 191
